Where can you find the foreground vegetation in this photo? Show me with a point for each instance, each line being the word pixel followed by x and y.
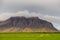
pixel 29 36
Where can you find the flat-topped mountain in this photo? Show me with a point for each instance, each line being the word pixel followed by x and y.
pixel 23 24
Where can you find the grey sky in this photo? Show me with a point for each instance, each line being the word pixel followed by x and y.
pixel 43 6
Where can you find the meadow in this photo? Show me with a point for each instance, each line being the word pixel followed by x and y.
pixel 29 36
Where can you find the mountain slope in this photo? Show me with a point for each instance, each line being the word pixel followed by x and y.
pixel 22 24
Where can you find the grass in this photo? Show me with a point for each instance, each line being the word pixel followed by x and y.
pixel 29 36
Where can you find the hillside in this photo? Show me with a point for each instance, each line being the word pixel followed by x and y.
pixel 23 24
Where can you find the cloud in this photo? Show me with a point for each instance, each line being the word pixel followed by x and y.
pixel 57 25
pixel 43 6
pixel 5 16
pixel 53 19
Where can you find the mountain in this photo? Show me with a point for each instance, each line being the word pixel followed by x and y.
pixel 23 24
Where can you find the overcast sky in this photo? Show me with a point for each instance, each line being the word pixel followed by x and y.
pixel 45 9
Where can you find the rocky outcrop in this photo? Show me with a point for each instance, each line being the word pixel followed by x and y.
pixel 23 24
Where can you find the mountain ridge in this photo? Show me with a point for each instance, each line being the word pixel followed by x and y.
pixel 32 23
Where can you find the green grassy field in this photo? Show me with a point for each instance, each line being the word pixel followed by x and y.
pixel 29 36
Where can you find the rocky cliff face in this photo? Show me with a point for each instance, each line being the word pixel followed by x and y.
pixel 22 24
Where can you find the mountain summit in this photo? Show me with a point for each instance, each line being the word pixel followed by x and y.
pixel 23 24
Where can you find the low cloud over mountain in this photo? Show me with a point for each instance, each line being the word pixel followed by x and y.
pixel 5 16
